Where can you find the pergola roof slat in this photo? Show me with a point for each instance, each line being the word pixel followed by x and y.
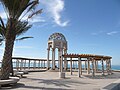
pixel 96 57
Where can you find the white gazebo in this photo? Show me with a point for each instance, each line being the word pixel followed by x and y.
pixel 56 40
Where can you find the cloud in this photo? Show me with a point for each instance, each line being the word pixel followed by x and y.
pixel 97 33
pixel 54 9
pixel 1 48
pixel 37 19
pixel 94 33
pixel 112 33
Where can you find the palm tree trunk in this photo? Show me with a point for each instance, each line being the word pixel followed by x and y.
pixel 7 59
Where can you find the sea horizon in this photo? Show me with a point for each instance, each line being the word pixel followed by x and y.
pixel 114 67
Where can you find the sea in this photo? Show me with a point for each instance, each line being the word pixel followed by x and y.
pixel 114 67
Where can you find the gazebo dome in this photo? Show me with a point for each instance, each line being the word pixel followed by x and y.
pixel 57 36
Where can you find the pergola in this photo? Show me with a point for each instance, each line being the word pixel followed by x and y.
pixel 57 40
pixel 87 58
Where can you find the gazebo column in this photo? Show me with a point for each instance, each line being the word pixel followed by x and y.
pixel 59 61
pixel 88 66
pixel 61 64
pixel 102 66
pixel 79 67
pixel 62 73
pixel 71 66
pixel 53 59
pixel 48 62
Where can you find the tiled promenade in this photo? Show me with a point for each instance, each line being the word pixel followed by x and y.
pixel 51 81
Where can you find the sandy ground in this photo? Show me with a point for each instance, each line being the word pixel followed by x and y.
pixel 51 81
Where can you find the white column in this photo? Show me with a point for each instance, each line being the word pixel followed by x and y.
pixel 17 64
pixel 21 65
pixel 110 66
pixel 106 63
pixel 53 58
pixel 102 66
pixel 59 61
pixel 44 64
pixel 65 60
pixel 48 62
pixel 71 66
pixel 107 66
pixel 34 65
pixel 79 67
pixel 39 64
pixel 25 64
pixel 96 66
pixel 88 66
pixel 93 71
pixel 85 65
pixel 62 73
pixel 29 65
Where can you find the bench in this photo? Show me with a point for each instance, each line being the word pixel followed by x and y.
pixel 11 80
pixel 24 71
pixel 19 73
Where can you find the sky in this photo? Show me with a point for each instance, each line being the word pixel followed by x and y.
pixel 90 27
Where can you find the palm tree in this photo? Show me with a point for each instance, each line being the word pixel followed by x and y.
pixel 15 10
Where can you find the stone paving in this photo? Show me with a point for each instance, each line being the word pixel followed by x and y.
pixel 51 81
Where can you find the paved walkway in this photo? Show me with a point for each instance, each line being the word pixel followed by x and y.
pixel 51 81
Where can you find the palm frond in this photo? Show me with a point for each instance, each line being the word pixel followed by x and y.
pixel 2 23
pixel 22 27
pixel 1 40
pixel 32 5
pixel 35 13
pixel 23 38
pixel 2 28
